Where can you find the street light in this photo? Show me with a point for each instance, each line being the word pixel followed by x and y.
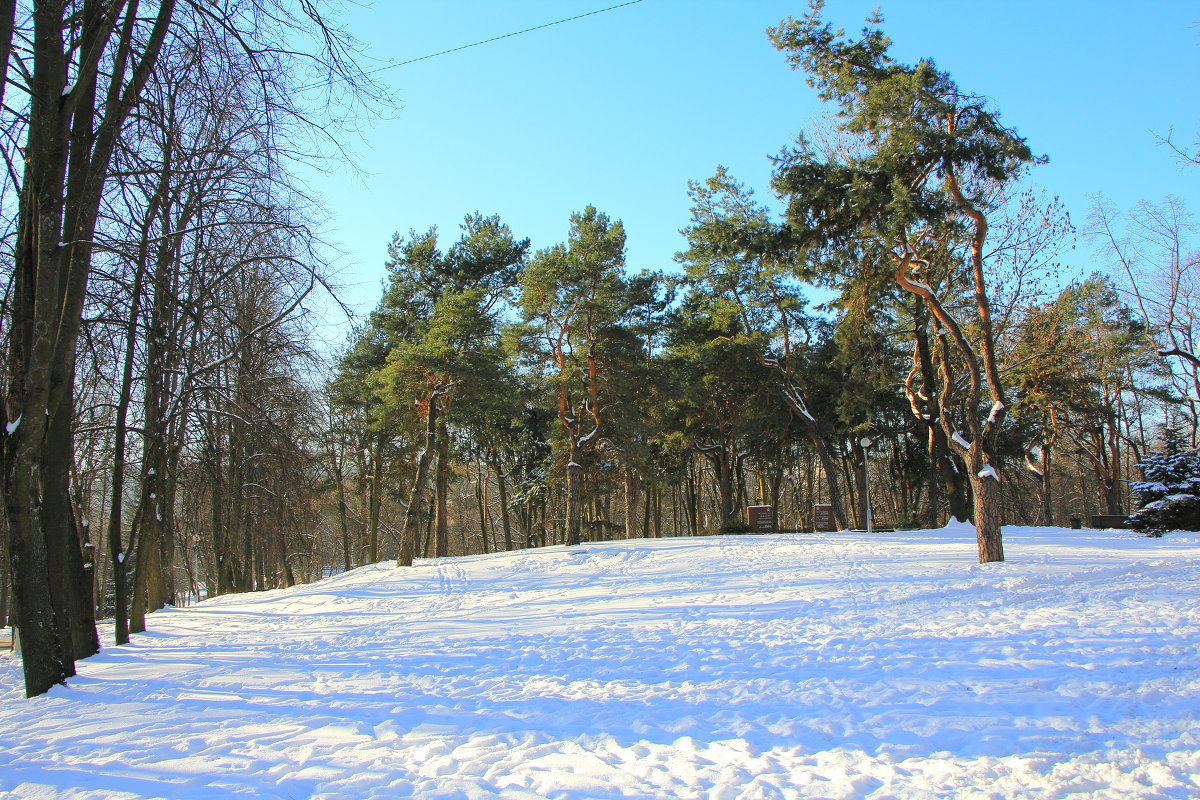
pixel 866 444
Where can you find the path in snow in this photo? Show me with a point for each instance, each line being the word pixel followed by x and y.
pixel 832 666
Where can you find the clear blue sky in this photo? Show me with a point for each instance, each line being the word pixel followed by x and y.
pixel 621 109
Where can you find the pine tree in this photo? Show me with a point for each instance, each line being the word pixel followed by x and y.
pixel 916 198
pixel 1169 496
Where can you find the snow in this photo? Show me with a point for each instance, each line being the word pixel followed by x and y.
pixel 11 427
pixel 849 665
pixel 988 471
pixel 960 441
pixel 799 404
pixel 997 407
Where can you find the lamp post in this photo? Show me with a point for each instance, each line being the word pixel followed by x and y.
pixel 866 444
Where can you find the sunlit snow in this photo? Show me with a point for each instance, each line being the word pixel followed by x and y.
pixel 851 665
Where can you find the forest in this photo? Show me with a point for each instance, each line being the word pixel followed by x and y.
pixel 896 344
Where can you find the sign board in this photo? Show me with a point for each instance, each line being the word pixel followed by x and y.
pixel 761 518
pixel 823 520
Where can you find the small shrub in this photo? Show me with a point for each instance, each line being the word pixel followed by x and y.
pixel 1168 496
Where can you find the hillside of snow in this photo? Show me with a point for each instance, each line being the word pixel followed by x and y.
pixel 782 666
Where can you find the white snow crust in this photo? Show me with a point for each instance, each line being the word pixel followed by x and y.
pixel 849 665
pixel 988 471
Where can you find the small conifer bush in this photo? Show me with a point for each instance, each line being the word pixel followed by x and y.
pixel 1168 496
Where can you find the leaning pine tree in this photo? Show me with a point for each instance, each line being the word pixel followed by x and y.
pixel 908 209
pixel 1168 497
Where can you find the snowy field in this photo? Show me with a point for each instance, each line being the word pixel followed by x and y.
pixel 788 666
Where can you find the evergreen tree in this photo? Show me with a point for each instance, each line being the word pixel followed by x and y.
pixel 914 203
pixel 444 312
pixel 571 296
pixel 1168 496
pixel 737 276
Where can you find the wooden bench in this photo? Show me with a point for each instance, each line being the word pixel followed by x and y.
pixel 1107 521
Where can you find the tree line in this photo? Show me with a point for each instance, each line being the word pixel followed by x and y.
pixel 893 344
pixel 159 257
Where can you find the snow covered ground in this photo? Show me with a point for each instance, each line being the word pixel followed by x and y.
pixel 831 666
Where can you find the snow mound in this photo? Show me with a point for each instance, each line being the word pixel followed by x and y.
pixel 785 666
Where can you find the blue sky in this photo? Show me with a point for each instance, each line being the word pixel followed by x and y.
pixel 621 109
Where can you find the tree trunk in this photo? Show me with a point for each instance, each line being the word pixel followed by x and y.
pixel 73 591
pixel 67 152
pixel 831 479
pixel 858 460
pixel 4 593
pixel 691 501
pixel 410 535
pixel 481 502
pixel 658 510
pixel 116 508
pixel 574 511
pixel 648 509
pixel 631 502
pixel 504 518
pixel 986 491
pixel 343 517
pixel 442 486
pixel 723 469
pixel 933 478
pixel 1047 504
pixel 376 498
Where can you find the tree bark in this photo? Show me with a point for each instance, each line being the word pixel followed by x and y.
pixel 343 516
pixel 858 458
pixel 502 488
pixel 410 535
pixel 631 501
pixel 481 501
pixel 73 596
pixel 376 499
pixel 574 511
pixel 986 491
pixel 442 487
pixel 1047 500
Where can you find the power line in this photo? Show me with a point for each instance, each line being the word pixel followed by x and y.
pixel 489 41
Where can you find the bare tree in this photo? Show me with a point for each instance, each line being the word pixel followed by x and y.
pixel 1155 257
pixel 79 69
